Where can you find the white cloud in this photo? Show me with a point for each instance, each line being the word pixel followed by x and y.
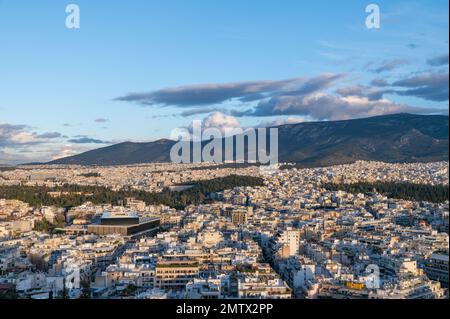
pixel 66 151
pixel 324 106
pixel 19 144
pixel 225 123
pixel 283 121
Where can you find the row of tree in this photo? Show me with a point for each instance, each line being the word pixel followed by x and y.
pixel 75 195
pixel 407 191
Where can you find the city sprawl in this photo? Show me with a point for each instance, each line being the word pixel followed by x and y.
pixel 290 237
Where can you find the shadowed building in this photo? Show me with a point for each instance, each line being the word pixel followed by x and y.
pixel 125 224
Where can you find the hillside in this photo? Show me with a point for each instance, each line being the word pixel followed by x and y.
pixel 390 138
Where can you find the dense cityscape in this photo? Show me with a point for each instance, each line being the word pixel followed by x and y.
pixel 286 237
pixel 219 159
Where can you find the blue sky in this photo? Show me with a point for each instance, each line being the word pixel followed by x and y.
pixel 135 70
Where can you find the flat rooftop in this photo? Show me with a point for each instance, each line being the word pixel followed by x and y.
pixel 112 215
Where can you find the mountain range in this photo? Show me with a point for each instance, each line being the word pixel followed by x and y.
pixel 388 138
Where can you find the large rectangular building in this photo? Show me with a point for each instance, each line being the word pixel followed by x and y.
pixel 175 274
pixel 437 268
pixel 125 224
pixel 119 219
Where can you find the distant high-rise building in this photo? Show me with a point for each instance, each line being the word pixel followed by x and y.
pixel 437 268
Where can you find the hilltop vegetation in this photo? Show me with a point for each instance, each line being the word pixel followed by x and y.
pixel 75 195
pixel 407 191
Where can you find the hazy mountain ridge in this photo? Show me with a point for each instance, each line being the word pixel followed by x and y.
pixel 390 138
